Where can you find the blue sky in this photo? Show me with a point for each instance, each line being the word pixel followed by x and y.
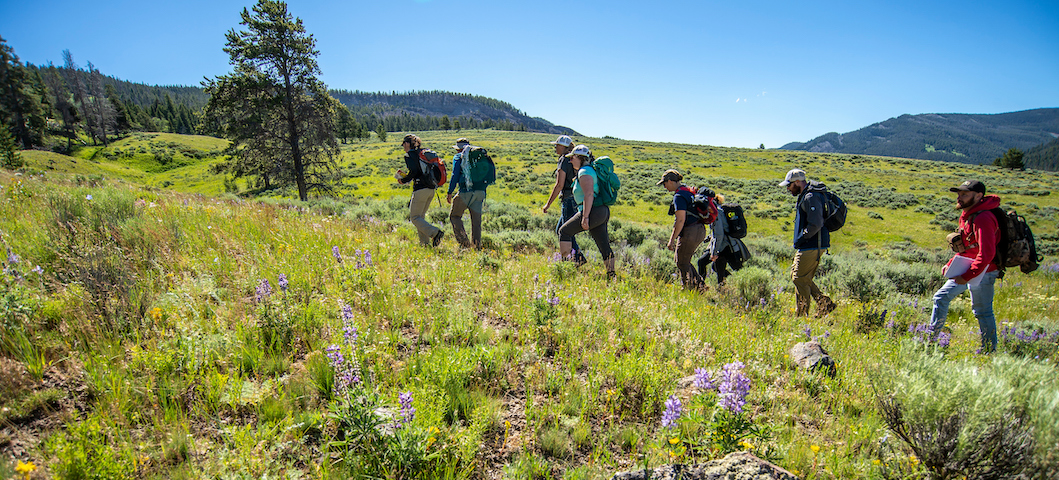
pixel 713 73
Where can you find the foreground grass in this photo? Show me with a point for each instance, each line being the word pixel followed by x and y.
pixel 147 345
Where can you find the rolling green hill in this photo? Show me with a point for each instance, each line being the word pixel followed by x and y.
pixel 963 138
pixel 147 331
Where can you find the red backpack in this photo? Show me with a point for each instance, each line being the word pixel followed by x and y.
pixel 433 168
pixel 702 206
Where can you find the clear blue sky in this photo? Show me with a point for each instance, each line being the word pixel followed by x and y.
pixel 704 72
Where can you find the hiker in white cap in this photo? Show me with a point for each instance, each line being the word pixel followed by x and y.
pixel 565 174
pixel 811 240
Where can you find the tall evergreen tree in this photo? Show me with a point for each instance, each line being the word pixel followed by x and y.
pixel 9 156
pixel 273 108
pixel 62 102
pixel 20 102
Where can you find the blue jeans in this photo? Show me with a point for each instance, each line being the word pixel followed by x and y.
pixel 981 304
pixel 569 209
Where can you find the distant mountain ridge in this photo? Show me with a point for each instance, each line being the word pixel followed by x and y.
pixel 965 138
pixel 471 108
pixel 421 110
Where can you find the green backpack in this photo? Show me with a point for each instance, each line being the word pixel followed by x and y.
pixel 479 171
pixel 609 184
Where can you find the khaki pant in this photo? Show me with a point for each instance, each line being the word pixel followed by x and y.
pixel 475 202
pixel 802 272
pixel 417 213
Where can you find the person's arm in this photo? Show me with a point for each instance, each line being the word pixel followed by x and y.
pixel 679 217
pixel 560 180
pixel 813 208
pixel 987 232
pixel 586 181
pixel 412 164
pixel 457 175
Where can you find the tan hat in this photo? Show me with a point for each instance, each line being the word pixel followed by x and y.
pixel 794 175
pixel 670 175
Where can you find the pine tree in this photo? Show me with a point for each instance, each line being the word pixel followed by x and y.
pixel 273 108
pixel 20 102
pixel 381 132
pixel 9 156
pixel 1012 159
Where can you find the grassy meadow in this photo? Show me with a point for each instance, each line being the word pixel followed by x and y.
pixel 153 325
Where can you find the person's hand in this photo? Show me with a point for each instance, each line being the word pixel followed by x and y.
pixel 584 223
pixel 545 209
pixel 944 269
pixel 672 245
pixel 713 258
pixel 397 176
pixel 448 198
pixel 959 280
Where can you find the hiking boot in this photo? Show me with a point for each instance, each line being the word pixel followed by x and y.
pixel 579 259
pixel 611 276
pixel 437 238
pixel 802 308
pixel 824 305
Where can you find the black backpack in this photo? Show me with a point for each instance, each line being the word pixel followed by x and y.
pixel 834 208
pixel 736 220
pixel 1016 247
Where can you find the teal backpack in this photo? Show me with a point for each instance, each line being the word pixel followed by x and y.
pixel 479 171
pixel 609 184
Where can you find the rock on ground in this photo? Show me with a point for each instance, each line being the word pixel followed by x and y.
pixel 735 466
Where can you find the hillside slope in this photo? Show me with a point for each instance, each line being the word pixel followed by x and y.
pixel 961 138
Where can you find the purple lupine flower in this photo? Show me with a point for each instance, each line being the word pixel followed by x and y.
pixel 38 270
pixel 351 334
pixel 734 387
pixel 703 380
pixel 943 339
pixel 408 412
pixel 554 301
pixel 334 352
pixel 263 290
pixel 672 412
pixel 282 282
pixel 336 253
pixel 891 324
pixel 367 258
pixel 347 312
pixel 12 258
pixel 808 332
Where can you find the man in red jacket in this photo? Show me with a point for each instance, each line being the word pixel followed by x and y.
pixel 979 234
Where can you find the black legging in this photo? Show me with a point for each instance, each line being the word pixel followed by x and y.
pixel 725 258
pixel 597 227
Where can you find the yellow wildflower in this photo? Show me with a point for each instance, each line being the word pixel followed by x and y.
pixel 25 468
pixel 747 445
pixel 674 441
pixel 815 448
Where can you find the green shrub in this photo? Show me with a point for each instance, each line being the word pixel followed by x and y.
pixel 965 420
pixel 751 284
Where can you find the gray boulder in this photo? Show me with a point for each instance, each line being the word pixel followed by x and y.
pixel 811 356
pixel 735 466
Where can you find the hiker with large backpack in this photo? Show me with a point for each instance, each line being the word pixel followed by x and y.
pixel 425 172
pixel 689 228
pixel 472 172
pixel 725 247
pixel 593 212
pixel 811 240
pixel 975 266
pixel 565 174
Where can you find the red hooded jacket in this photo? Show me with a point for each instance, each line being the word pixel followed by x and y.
pixel 980 237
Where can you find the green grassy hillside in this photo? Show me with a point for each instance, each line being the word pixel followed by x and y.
pixel 149 332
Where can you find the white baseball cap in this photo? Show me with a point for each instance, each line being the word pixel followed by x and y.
pixel 793 176
pixel 563 140
pixel 581 150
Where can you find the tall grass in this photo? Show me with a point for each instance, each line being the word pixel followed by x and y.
pixel 149 315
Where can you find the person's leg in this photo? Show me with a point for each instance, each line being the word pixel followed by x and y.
pixel 569 209
pixel 942 298
pixel 476 205
pixel 459 206
pixel 597 227
pixel 417 213
pixel 802 271
pixel 688 241
pixel 982 306
pixel 720 266
pixel 566 235
pixel 704 264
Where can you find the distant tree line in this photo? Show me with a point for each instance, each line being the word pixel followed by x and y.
pixel 1044 156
